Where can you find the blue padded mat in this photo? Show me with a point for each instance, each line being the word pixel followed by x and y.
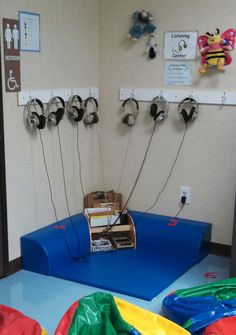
pixel 137 273
pixel 164 252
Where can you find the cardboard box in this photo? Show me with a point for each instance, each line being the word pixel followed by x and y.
pixel 95 199
pixel 99 217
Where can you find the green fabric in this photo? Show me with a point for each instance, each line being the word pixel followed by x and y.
pixel 222 290
pixel 187 324
pixel 98 314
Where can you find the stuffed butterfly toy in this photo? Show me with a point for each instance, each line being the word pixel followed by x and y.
pixel 213 49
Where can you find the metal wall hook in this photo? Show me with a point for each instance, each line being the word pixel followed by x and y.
pixel 223 98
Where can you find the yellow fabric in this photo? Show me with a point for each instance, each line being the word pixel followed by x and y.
pixel 44 332
pixel 147 323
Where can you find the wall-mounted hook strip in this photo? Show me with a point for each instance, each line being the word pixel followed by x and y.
pixel 46 95
pixel 203 97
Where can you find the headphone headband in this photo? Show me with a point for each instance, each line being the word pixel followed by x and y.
pixel 53 101
pixel 76 98
pixel 131 100
pixel 92 99
pixel 188 100
pixel 38 102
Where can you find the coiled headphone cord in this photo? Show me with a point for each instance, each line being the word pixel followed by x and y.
pixel 51 196
pixel 108 228
pixel 79 158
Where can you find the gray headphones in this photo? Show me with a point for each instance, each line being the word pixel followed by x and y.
pixel 35 119
pixel 159 109
pixel 188 109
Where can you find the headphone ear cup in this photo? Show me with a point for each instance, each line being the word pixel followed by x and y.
pixel 160 116
pixel 129 119
pixel 76 113
pixel 92 118
pixel 192 113
pixel 95 117
pixel 80 115
pixel 184 114
pixel 153 110
pixel 59 115
pixel 42 122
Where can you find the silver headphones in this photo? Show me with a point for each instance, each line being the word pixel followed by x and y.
pixel 35 119
pixel 55 116
pixel 159 109
pixel 188 109
pixel 75 110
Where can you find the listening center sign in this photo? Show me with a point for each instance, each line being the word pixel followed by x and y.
pixel 180 45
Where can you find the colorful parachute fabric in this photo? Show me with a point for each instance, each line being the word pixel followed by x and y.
pixel 198 307
pixel 103 314
pixel 225 326
pixel 14 322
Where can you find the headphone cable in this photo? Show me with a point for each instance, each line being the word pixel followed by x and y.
pixel 171 171
pixel 108 228
pixel 52 200
pixel 79 158
pixel 65 192
pixel 167 180
pixel 122 168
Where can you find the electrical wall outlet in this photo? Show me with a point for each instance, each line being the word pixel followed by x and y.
pixel 185 191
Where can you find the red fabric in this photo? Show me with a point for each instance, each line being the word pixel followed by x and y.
pixel 12 322
pixel 64 324
pixel 225 326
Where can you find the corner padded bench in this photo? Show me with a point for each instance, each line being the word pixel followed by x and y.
pixel 165 249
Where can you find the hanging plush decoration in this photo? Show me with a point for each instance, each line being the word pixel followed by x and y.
pixel 152 47
pixel 213 49
pixel 142 24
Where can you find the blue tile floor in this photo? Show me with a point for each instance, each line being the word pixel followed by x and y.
pixel 46 298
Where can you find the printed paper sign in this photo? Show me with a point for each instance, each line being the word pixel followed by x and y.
pixel 180 45
pixel 177 73
pixel 11 55
pixel 29 31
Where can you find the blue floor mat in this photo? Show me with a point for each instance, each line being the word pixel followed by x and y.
pixel 164 252
pixel 132 272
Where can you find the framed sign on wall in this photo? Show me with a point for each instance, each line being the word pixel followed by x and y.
pixel 180 45
pixel 29 31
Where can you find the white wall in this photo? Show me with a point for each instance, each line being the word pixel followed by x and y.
pixel 84 44
pixel 208 157
pixel 69 57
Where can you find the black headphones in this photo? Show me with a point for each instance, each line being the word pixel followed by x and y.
pixel 129 118
pixel 159 109
pixel 74 112
pixel 188 109
pixel 92 117
pixel 34 118
pixel 55 117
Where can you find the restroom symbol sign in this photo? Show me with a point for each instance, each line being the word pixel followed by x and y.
pixel 11 55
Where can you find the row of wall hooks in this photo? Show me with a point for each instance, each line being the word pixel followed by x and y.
pixel 65 94
pixel 174 96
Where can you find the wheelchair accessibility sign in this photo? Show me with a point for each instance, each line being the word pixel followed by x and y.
pixel 11 55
